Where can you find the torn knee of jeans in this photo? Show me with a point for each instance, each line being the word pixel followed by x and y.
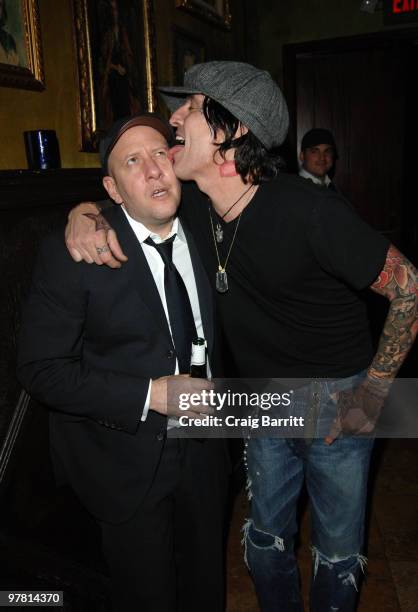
pixel 348 567
pixel 259 539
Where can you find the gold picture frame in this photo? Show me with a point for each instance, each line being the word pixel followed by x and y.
pixel 214 11
pixel 21 59
pixel 110 88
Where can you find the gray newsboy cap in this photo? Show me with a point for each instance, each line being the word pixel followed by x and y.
pixel 248 93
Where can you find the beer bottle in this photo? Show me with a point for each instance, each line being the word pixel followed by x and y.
pixel 198 359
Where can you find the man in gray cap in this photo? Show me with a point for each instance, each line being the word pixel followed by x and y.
pixel 287 262
pixel 318 153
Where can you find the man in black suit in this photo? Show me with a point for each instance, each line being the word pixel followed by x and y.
pixel 99 347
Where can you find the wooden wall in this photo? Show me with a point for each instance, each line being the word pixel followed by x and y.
pixel 57 106
pixel 281 23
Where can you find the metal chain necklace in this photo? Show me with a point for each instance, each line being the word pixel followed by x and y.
pixel 219 231
pixel 221 276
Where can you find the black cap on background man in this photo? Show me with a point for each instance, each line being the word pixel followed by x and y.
pixel 318 153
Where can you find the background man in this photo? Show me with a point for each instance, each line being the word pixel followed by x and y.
pixel 318 153
pixel 287 261
pixel 99 347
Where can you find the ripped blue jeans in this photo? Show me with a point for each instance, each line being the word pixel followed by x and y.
pixel 336 480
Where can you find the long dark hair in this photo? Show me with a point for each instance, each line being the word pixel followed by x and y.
pixel 253 161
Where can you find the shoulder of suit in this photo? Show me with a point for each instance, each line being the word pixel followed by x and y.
pixel 113 213
pixel 54 241
pixel 191 196
pixel 54 264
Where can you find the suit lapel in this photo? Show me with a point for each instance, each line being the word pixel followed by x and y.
pixel 137 267
pixel 143 281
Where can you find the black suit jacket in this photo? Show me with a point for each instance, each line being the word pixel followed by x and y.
pixel 91 339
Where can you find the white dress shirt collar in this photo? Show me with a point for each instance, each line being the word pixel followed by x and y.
pixel 307 175
pixel 142 232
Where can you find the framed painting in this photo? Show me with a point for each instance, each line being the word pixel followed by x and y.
pixel 187 51
pixel 116 66
pixel 21 61
pixel 215 11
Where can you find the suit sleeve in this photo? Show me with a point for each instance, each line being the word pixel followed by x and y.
pixel 51 366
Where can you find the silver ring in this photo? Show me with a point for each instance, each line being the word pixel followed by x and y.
pixel 103 249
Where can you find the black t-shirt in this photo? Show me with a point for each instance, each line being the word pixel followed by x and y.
pixel 300 259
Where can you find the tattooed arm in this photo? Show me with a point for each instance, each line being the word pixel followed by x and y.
pixel 358 410
pixel 398 282
pixel 89 237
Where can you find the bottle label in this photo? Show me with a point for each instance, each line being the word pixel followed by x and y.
pixel 198 354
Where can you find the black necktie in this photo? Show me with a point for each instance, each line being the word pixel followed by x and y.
pixel 180 312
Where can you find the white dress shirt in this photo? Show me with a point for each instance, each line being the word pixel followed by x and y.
pixel 183 263
pixel 325 181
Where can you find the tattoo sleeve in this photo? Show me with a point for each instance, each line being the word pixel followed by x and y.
pixel 398 282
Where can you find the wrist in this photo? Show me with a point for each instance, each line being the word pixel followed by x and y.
pixel 158 395
pixel 378 385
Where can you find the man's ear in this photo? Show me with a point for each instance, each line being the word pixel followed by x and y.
pixel 110 186
pixel 302 157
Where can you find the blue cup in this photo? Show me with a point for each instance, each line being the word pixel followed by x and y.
pixel 42 150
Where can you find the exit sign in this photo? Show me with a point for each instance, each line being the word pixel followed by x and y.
pixel 400 11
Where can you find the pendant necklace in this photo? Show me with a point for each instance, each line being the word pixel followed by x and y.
pixel 219 233
pixel 221 277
